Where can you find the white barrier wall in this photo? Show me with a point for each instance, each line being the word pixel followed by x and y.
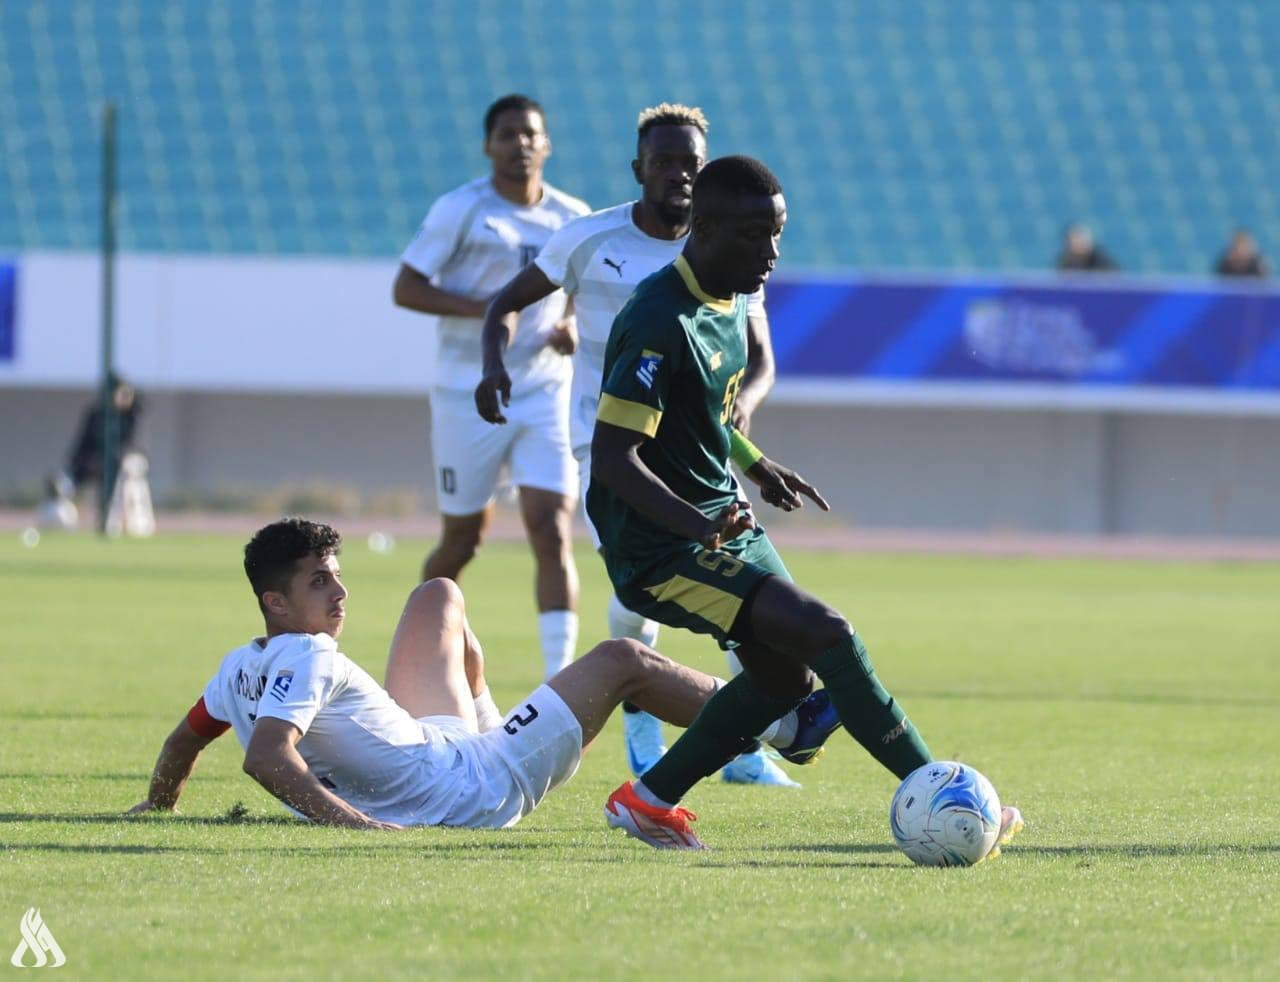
pixel 268 372
pixel 220 323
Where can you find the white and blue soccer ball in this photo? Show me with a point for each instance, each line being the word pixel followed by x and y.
pixel 945 814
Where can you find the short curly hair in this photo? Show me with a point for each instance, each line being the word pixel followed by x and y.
pixel 269 557
pixel 670 114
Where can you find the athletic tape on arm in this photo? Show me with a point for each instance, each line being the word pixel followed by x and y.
pixel 742 451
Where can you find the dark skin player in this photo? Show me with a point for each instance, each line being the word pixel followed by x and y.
pixel 730 252
pixel 668 159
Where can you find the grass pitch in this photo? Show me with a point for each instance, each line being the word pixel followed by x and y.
pixel 1132 710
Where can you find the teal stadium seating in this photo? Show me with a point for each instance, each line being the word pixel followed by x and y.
pixel 930 134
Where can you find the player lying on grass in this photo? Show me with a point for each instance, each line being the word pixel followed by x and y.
pixel 678 544
pixel 429 749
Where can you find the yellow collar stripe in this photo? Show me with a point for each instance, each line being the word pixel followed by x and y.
pixel 691 282
pixel 629 415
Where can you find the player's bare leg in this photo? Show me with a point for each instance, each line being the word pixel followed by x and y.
pixel 460 538
pixel 548 518
pixel 433 669
pixel 597 683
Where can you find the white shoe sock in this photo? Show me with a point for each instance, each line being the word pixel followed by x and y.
pixel 781 733
pixel 624 623
pixel 648 797
pixel 558 631
pixel 488 716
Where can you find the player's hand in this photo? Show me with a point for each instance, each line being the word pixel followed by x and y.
pixel 373 825
pixel 741 419
pixel 781 487
pixel 493 392
pixel 564 336
pixel 732 521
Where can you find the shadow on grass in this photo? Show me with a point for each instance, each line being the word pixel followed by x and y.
pixel 231 818
pixel 1132 850
pixel 73 776
pixel 372 844
pixel 1147 850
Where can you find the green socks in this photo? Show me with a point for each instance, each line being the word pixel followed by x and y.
pixel 725 727
pixel 867 711
pixel 727 723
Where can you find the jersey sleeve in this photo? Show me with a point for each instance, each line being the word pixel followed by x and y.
pixel 438 237
pixel 204 723
pixel 301 683
pixel 556 257
pixel 648 348
pixel 213 698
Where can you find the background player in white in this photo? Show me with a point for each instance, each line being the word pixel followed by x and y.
pixel 598 260
pixel 431 748
pixel 473 240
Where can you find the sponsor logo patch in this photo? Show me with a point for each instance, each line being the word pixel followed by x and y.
pixel 650 361
pixel 280 687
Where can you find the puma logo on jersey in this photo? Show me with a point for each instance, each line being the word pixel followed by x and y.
pixel 505 231
pixel 616 267
pixel 649 363
pixel 716 359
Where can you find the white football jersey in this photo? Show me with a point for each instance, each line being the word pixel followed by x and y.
pixel 598 260
pixel 356 739
pixel 473 242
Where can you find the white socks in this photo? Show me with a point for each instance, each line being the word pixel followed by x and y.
pixel 558 631
pixel 624 623
pixel 487 714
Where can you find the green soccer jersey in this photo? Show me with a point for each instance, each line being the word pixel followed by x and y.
pixel 672 368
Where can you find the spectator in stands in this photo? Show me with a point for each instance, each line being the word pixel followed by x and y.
pixel 1081 253
pixel 1242 257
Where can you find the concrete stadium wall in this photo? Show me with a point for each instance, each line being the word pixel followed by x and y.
pixel 881 467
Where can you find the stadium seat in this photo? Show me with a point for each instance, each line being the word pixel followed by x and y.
pixel 933 134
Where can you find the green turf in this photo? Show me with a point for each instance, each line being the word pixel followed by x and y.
pixel 1131 709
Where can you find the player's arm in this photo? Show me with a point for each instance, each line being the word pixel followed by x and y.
pixel 272 759
pixel 760 375
pixel 616 464
pixel 527 287
pixel 779 486
pixel 414 291
pixel 178 756
pixel 434 249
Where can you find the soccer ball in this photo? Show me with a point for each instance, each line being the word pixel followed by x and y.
pixel 945 814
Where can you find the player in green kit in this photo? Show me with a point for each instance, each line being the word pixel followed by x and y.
pixel 679 545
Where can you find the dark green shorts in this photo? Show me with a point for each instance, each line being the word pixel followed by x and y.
pixel 702 590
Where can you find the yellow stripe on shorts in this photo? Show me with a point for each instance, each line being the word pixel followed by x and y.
pixel 716 606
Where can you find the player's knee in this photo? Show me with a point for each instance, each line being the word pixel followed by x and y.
pixel 828 627
pixel 461 542
pixel 439 595
pixel 623 657
pixel 550 530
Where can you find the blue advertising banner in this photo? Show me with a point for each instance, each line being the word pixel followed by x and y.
pixel 8 306
pixel 1065 330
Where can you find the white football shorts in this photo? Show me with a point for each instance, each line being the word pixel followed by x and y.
pixel 469 453
pixel 536 749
